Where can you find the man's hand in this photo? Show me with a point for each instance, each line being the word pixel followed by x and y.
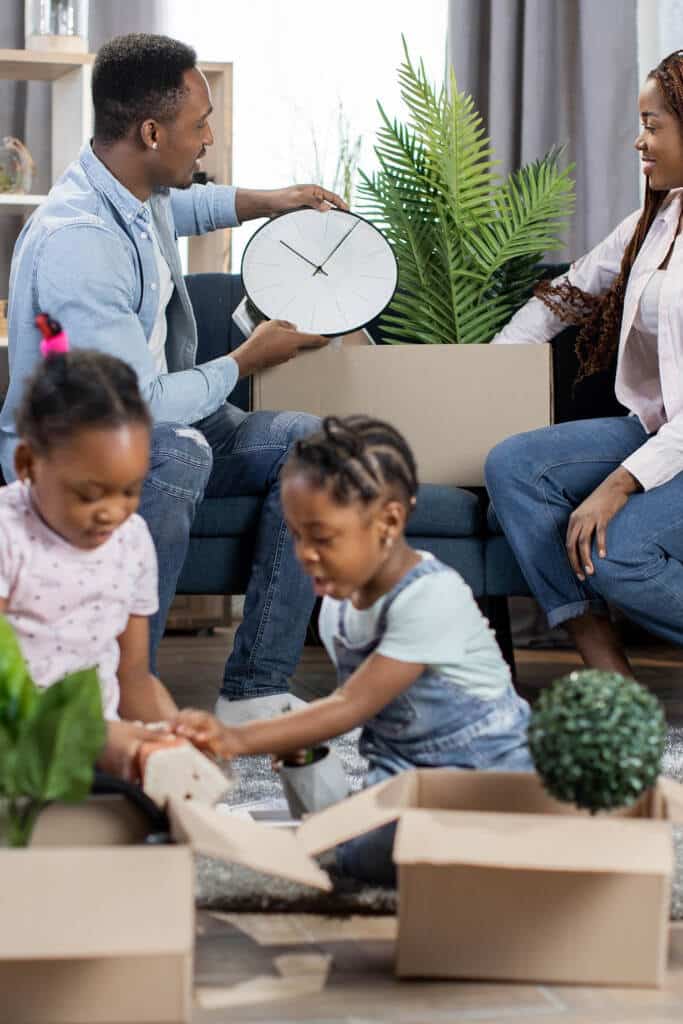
pixel 592 517
pixel 253 203
pixel 273 342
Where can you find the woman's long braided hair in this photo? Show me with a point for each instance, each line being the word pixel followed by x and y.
pixel 599 316
pixel 358 458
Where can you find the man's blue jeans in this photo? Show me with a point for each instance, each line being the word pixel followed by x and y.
pixel 536 480
pixel 232 453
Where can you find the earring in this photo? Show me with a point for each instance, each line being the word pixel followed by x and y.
pixel 155 145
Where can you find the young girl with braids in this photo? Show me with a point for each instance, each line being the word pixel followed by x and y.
pixel 418 666
pixel 594 509
pixel 78 572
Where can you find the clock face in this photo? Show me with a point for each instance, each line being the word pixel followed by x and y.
pixel 328 273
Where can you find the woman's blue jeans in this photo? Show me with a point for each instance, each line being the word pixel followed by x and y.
pixel 536 480
pixel 232 453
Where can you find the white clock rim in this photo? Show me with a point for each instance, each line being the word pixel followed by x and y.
pixel 346 213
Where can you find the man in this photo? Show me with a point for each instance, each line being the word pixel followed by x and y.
pixel 100 256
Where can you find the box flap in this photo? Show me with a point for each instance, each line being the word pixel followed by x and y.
pixel 534 842
pixel 230 838
pixel 360 813
pixel 672 793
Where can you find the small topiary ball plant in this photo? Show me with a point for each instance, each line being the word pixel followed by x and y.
pixel 597 739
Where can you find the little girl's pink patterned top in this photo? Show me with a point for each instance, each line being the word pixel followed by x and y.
pixel 68 605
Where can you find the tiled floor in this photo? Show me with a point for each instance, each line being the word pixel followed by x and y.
pixel 278 968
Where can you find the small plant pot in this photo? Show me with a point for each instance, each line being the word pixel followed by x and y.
pixel 312 787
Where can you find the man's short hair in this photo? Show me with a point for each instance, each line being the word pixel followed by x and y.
pixel 135 77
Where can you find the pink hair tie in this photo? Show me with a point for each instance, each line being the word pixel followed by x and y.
pixel 55 339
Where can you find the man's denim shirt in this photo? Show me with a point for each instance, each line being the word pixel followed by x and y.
pixel 86 258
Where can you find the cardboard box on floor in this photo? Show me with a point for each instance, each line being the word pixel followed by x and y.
pixel 97 928
pixel 499 881
pixel 496 881
pixel 452 402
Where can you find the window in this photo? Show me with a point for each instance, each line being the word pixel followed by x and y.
pixel 301 69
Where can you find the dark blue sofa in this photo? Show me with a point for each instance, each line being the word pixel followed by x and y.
pixel 448 521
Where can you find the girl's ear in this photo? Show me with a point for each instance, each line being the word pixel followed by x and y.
pixel 24 461
pixel 393 520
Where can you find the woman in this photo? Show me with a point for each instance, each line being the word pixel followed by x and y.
pixel 594 509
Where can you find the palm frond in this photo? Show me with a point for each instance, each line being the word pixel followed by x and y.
pixel 468 244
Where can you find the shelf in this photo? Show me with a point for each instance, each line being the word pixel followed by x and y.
pixel 34 65
pixel 19 202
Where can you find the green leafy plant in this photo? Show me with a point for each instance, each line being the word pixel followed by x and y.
pixel 597 739
pixel 49 739
pixel 467 244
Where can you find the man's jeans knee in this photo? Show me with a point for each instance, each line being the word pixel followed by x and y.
pixel 180 466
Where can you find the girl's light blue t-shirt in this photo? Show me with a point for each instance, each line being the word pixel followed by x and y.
pixel 434 621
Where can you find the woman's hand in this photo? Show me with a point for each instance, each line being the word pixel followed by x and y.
pixel 208 734
pixel 592 517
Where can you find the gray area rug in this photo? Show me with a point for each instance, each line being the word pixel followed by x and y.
pixel 231 887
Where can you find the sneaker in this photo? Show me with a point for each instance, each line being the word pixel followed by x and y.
pixel 235 712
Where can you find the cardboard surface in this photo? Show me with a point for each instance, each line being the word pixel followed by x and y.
pixel 500 881
pixel 532 926
pixel 525 842
pixel 137 989
pixel 452 402
pixel 231 838
pixel 96 902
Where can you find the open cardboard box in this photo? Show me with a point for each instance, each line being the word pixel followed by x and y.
pixel 453 403
pixel 499 881
pixel 97 927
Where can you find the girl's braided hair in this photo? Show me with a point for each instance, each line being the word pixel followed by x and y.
pixel 76 390
pixel 598 317
pixel 359 458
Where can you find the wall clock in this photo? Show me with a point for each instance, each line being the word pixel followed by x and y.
pixel 329 273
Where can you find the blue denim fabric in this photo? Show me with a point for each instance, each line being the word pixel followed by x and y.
pixel 433 724
pixel 86 257
pixel 537 479
pixel 234 453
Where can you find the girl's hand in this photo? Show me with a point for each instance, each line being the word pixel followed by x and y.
pixel 592 517
pixel 208 734
pixel 124 740
pixel 295 757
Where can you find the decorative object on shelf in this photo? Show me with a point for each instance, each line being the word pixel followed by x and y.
pixel 597 739
pixel 16 166
pixel 49 740
pixel 329 273
pixel 467 244
pixel 56 25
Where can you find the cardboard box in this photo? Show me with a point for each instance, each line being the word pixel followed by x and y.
pixel 452 402
pixel 96 929
pixel 499 881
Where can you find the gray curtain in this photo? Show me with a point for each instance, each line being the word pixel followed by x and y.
pixel 544 72
pixel 25 106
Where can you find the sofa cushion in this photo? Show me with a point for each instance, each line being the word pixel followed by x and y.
pixel 445 511
pixel 226 517
pixel 441 512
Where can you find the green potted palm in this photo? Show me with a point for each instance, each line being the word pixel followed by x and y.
pixel 468 244
pixel 468 247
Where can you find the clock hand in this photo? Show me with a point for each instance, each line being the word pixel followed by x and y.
pixel 342 239
pixel 310 262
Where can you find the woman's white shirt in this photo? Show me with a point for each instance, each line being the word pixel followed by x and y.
pixel 649 378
